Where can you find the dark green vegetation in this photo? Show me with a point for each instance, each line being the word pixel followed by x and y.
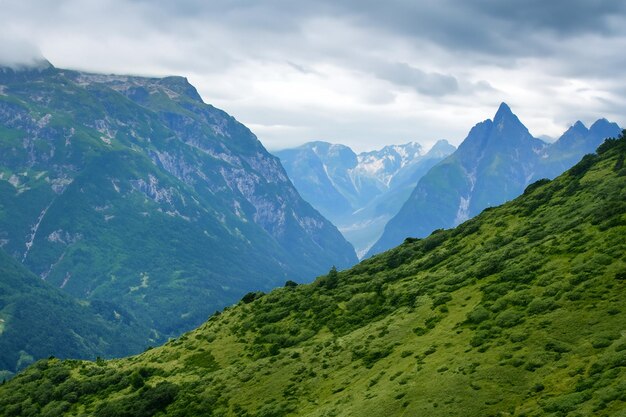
pixel 519 311
pixel 495 163
pixel 133 194
pixel 37 320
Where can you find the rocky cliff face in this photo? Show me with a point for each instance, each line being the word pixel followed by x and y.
pixel 134 190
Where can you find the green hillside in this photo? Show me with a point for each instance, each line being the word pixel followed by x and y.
pixel 519 311
pixel 38 320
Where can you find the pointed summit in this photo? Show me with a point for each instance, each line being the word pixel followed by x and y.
pixel 441 148
pixel 441 142
pixel 603 129
pixel 503 110
pixel 600 122
pixel 601 125
pixel 577 128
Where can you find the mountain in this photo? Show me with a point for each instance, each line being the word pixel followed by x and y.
pixel 575 142
pixel 518 311
pixel 359 193
pixel 133 191
pixel 493 164
pixel 38 320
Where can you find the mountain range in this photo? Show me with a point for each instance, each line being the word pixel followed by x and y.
pixel 493 164
pixel 359 192
pixel 518 311
pixel 132 193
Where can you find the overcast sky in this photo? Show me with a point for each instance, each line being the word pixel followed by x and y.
pixel 365 73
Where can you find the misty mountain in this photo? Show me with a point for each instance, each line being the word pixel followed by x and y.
pixel 359 192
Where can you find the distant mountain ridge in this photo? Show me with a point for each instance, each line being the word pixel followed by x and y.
pixel 578 140
pixel 359 192
pixel 134 191
pixel 493 164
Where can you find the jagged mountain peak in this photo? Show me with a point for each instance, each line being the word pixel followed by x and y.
pixel 325 148
pixel 16 72
pixel 503 132
pixel 600 122
pixel 505 119
pixel 440 148
pixel 503 110
pixel 494 163
pixel 334 152
pixel 315 143
pixel 577 128
pixel 603 127
pixel 393 155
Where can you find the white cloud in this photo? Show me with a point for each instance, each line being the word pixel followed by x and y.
pixel 365 73
pixel 16 52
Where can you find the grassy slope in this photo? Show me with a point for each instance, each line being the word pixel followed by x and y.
pixel 517 312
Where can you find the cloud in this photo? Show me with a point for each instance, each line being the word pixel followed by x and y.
pixel 18 53
pixel 431 84
pixel 365 72
pixel 563 17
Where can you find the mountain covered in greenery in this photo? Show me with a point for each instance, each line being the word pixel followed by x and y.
pixel 359 193
pixel 38 320
pixel 493 164
pixel 133 192
pixel 518 311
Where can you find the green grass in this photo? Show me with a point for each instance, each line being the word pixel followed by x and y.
pixel 517 312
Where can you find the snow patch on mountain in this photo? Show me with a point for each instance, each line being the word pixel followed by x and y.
pixel 462 213
pixel 383 165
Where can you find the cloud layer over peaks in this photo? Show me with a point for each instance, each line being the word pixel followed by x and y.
pixel 365 73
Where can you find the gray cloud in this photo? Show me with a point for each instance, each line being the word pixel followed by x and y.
pixel 432 84
pixel 564 17
pixel 349 69
pixel 18 53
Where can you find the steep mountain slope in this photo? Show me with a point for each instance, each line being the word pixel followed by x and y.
pixel 518 311
pixel 132 190
pixel 494 164
pixel 359 193
pixel 37 320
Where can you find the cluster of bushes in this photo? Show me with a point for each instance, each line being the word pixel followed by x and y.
pixel 49 389
pixel 144 402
